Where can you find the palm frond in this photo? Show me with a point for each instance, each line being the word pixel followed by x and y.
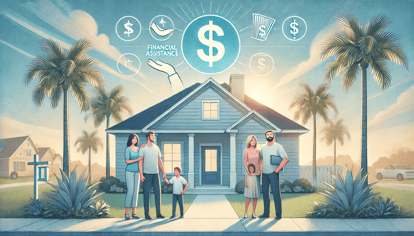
pixel 377 24
pixel 348 78
pixel 81 95
pixel 381 74
pixel 79 49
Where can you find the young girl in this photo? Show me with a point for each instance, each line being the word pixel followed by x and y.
pixel 252 165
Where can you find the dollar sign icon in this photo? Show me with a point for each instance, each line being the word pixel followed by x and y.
pixel 210 43
pixel 295 30
pixel 262 64
pixel 128 28
pixel 262 31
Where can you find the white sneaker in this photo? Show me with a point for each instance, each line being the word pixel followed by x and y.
pixel 245 216
pixel 253 216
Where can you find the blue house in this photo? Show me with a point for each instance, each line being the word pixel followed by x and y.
pixel 203 129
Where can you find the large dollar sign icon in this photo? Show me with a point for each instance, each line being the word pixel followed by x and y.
pixel 293 27
pixel 262 30
pixel 262 64
pixel 128 28
pixel 210 43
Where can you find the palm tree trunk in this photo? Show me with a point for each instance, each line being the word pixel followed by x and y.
pixel 364 123
pixel 66 161
pixel 334 152
pixel 314 149
pixel 90 174
pixel 108 163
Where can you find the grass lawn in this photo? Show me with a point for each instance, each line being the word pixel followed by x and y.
pixel 297 205
pixel 52 179
pixel 394 181
pixel 116 201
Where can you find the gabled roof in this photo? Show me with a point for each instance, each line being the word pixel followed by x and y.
pixel 143 119
pixel 43 151
pixel 57 155
pixel 11 145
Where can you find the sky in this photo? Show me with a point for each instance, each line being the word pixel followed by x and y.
pixel 23 25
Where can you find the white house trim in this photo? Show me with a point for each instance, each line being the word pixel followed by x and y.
pixel 233 173
pixel 190 161
pixel 193 92
pixel 218 109
pixel 123 131
pixel 186 131
pixel 253 112
pixel 221 160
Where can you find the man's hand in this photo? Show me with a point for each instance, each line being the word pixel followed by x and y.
pixel 142 145
pixel 276 170
pixel 182 192
pixel 142 178
pixel 164 176
pixel 168 182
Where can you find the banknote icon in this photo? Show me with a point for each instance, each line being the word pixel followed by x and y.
pixel 261 64
pixel 262 26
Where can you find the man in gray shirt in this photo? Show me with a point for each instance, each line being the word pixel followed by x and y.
pixel 148 169
pixel 271 174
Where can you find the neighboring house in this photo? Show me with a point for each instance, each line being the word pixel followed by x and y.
pixel 57 164
pixel 15 154
pixel 45 154
pixel 203 129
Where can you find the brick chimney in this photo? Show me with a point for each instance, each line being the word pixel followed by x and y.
pixel 237 86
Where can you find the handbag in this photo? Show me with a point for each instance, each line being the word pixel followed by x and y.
pixel 276 160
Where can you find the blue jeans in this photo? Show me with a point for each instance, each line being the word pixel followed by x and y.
pixel 178 197
pixel 152 180
pixel 273 180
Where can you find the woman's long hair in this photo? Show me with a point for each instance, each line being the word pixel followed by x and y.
pixel 250 139
pixel 132 136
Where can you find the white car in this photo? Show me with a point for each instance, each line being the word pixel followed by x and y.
pixel 399 172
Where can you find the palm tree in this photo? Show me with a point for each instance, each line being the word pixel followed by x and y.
pixel 89 142
pixel 60 72
pixel 309 104
pixel 106 105
pixel 335 131
pixel 356 48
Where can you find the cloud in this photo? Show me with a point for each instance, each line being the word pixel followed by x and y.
pixel 39 31
pixel 400 112
pixel 48 137
pixel 77 24
pixel 312 62
pixel 18 49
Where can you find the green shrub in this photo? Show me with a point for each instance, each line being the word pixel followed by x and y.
pixel 72 198
pixel 240 187
pixel 98 210
pixel 349 196
pixel 384 208
pixel 106 184
pixel 323 211
pixel 34 208
pixel 286 187
pixel 166 188
pixel 304 184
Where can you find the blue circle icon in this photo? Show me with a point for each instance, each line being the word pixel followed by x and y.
pixel 210 44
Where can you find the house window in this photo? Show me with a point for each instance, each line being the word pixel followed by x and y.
pixel 211 110
pixel 19 166
pixel 258 146
pixel 172 156
pixel 28 152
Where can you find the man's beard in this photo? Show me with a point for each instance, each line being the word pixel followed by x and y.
pixel 270 139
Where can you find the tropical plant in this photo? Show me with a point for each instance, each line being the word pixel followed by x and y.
pixel 71 196
pixel 309 104
pixel 89 142
pixel 323 210
pixel 335 131
pixel 356 48
pixel 98 210
pixel 349 196
pixel 34 208
pixel 106 105
pixel 384 208
pixel 62 71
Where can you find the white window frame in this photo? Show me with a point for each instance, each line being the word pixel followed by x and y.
pixel 19 166
pixel 218 109
pixel 243 143
pixel 182 155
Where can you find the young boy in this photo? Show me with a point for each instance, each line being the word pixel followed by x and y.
pixel 178 191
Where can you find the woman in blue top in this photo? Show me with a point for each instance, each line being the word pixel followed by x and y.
pixel 132 176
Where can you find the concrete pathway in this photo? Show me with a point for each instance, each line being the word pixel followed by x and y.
pixel 211 207
pixel 13 185
pixel 405 187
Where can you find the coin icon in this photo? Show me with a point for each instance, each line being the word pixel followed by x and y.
pixel 210 44
pixel 128 64
pixel 128 28
pixel 261 64
pixel 294 28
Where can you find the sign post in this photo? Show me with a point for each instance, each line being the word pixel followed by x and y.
pixel 41 173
